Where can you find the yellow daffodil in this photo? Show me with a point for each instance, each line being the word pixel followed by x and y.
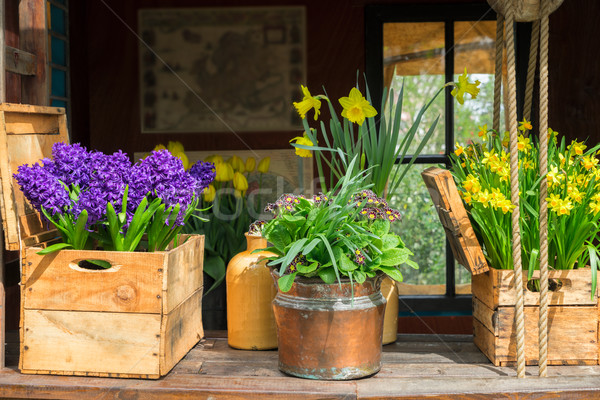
pixel 356 107
pixel 263 165
pixel 589 162
pixel 489 157
pixel 237 163
pixel 594 207
pixel 224 172
pixel 576 195
pixel 466 196
pixel 525 126
pixel 484 197
pixel 483 132
pixel 553 201
pixel 577 147
pixel 506 139
pixel 471 184
pixel 239 182
pixel 554 176
pixel 250 164
pixel 303 140
pixel 524 144
pixel 215 159
pixel 209 193
pixel 459 150
pixel 464 86
pixel 552 133
pixel 308 102
pixel 564 208
pixel 506 206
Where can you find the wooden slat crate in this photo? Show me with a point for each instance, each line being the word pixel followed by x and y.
pixel 574 314
pixel 136 319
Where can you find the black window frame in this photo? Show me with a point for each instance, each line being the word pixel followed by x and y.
pixel 375 16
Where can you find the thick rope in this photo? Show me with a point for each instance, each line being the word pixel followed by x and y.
pixel 533 51
pixel 543 316
pixel 514 185
pixel 498 72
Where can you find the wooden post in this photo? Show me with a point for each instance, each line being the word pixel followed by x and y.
pixel 33 38
pixel 2 100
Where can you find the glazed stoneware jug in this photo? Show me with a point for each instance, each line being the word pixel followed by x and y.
pixel 250 291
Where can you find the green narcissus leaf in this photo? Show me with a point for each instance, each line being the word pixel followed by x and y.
pixel 327 275
pixel 390 241
pixel 286 281
pixel 394 256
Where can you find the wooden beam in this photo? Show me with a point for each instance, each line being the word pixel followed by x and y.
pixel 34 39
pixel 19 61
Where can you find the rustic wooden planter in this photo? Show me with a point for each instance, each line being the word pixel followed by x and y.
pixel 573 313
pixel 136 319
pixel 572 319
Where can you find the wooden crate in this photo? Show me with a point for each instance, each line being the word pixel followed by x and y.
pixel 574 314
pixel 572 318
pixel 136 319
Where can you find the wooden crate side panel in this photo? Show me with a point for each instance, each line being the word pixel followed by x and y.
pixel 18 123
pixel 484 288
pixel 55 282
pixel 185 266
pixel 576 288
pixel 485 340
pixel 485 315
pixel 572 335
pixel 454 218
pixel 181 330
pixel 90 342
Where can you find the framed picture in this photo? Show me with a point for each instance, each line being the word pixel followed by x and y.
pixel 221 69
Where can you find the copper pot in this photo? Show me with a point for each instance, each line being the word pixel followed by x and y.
pixel 329 332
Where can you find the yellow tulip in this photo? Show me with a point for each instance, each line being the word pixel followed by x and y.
pixel 250 164
pixel 239 182
pixel 209 193
pixel 224 172
pixel 159 147
pixel 237 194
pixel 237 164
pixel 175 147
pixel 215 159
pixel 264 164
pixel 184 159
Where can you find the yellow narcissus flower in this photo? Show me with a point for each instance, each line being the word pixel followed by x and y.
pixel 577 147
pixel 464 86
pixel 553 201
pixel 589 162
pixel 564 208
pixel 594 207
pixel 466 196
pixel 506 139
pixel 303 140
pixel 484 198
pixel 552 133
pixel 263 165
pixel 224 172
pixel 209 193
pixel 308 102
pixel 250 164
pixel 237 163
pixel 356 107
pixel 554 176
pixel 576 195
pixel 471 184
pixel 483 132
pixel 459 150
pixel 215 159
pixel 525 125
pixel 524 144
pixel 505 205
pixel 239 182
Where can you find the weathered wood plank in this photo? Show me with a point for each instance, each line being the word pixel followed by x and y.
pixel 98 342
pixel 185 273
pixel 19 61
pixel 455 220
pixel 33 38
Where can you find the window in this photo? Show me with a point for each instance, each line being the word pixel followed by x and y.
pixel 58 53
pixel 422 47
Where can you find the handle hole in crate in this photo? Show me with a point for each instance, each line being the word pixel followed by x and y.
pixel 93 265
pixel 554 285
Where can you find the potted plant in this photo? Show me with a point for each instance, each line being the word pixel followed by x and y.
pixel 331 252
pixel 482 174
pixel 121 276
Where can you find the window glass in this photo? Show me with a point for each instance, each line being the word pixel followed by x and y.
pixel 59 83
pixel 58 51
pixel 57 20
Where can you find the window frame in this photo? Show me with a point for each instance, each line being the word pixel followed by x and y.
pixel 375 16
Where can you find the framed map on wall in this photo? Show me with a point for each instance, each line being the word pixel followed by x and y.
pixel 221 69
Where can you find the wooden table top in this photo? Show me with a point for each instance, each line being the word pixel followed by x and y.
pixel 415 367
